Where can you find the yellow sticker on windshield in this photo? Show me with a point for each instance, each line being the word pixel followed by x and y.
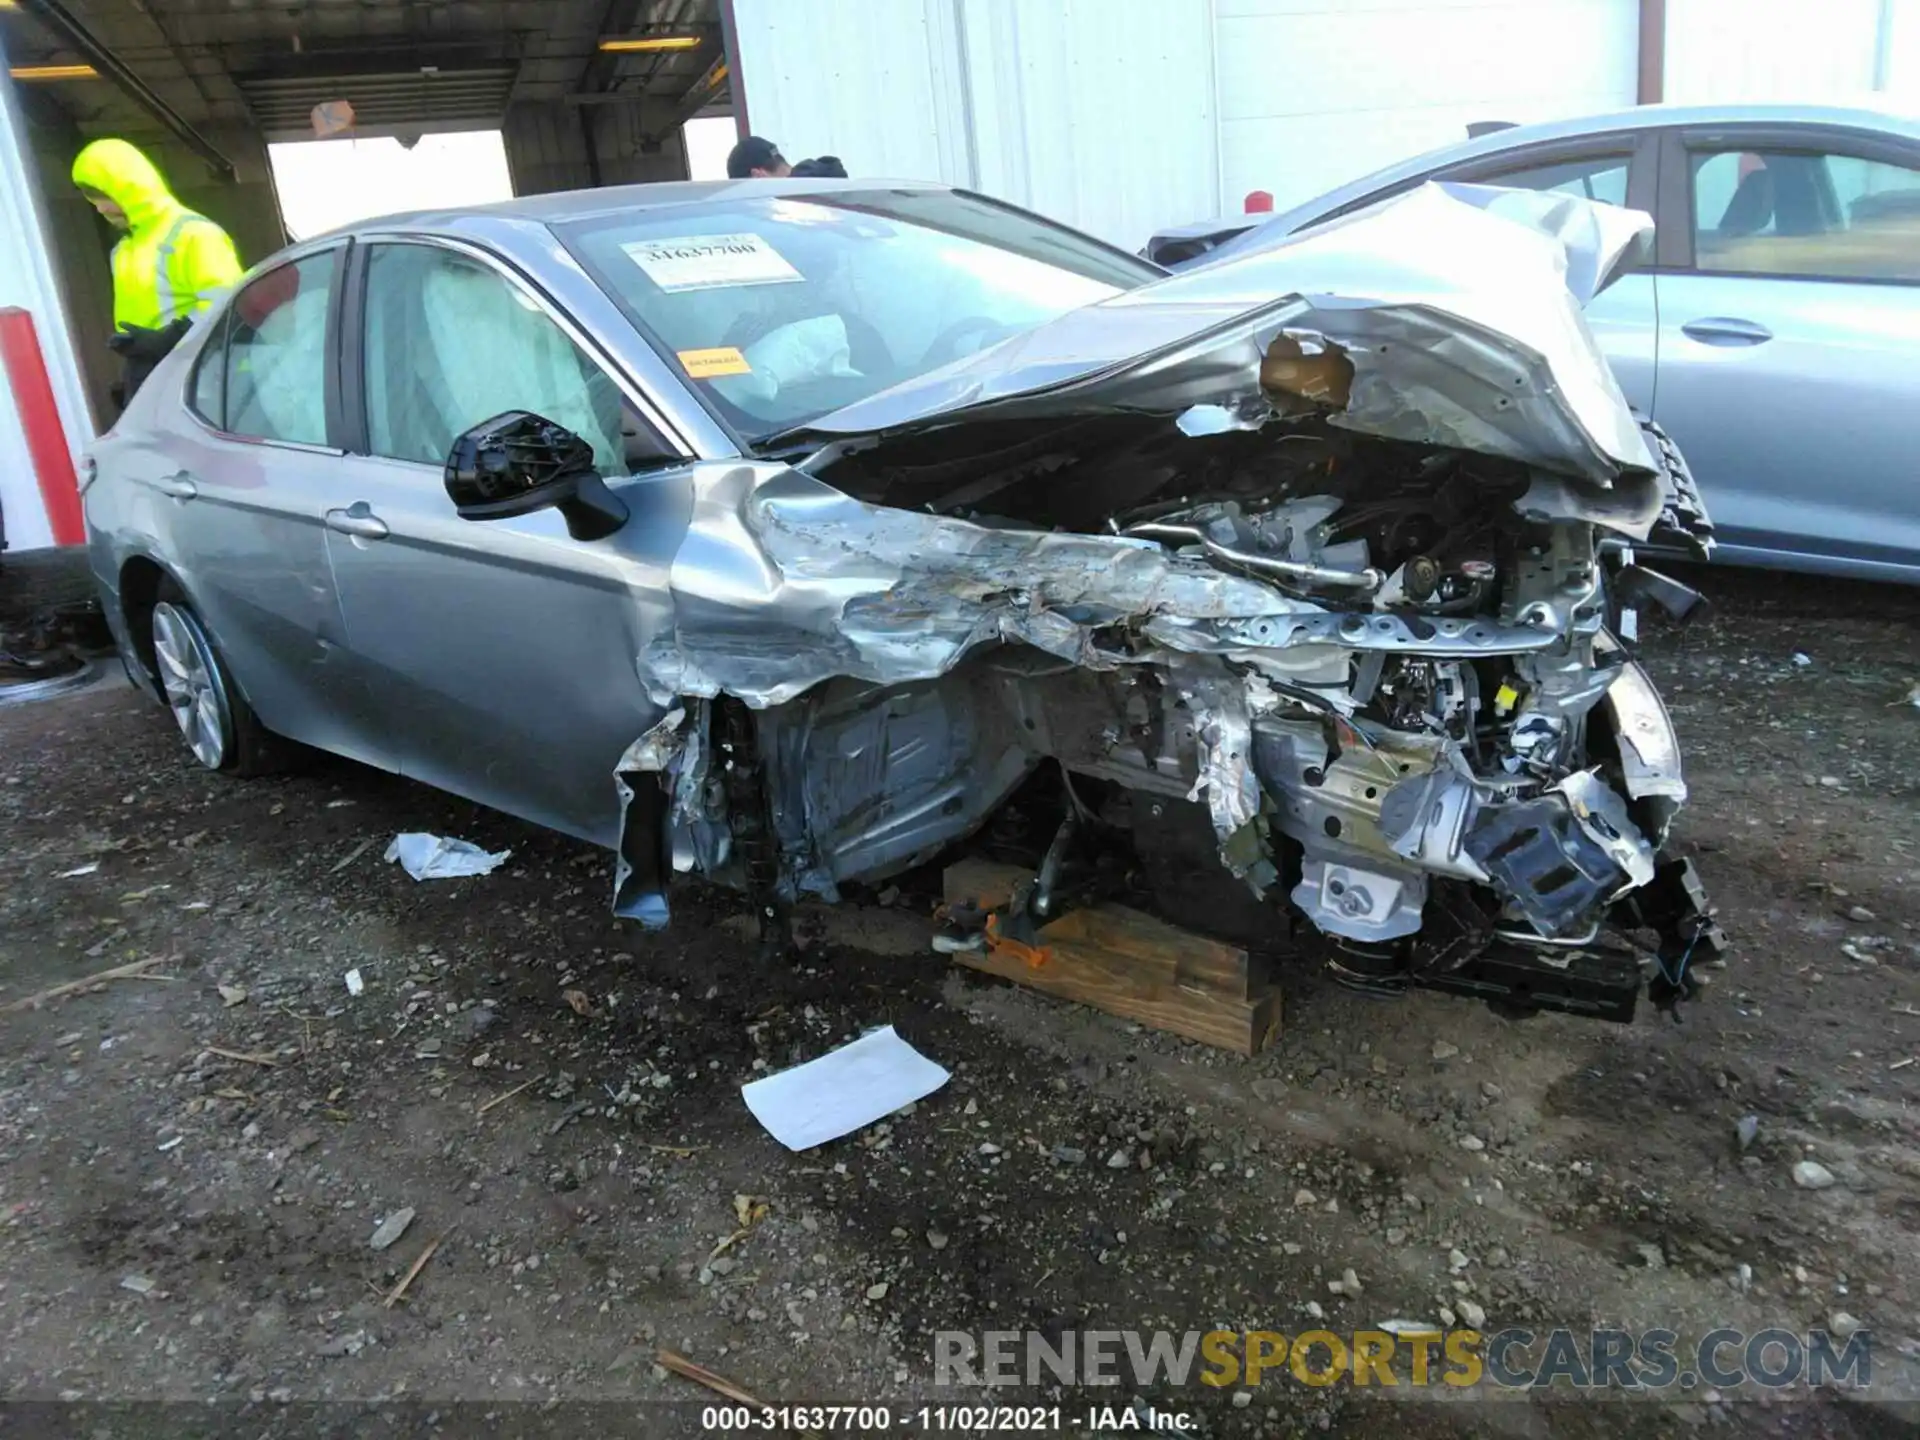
pixel 721 360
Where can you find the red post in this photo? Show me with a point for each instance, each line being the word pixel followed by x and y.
pixel 40 419
pixel 1259 202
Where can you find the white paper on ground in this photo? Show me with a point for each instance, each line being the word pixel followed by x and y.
pixel 434 857
pixel 842 1090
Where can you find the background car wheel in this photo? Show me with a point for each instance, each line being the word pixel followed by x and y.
pixel 214 717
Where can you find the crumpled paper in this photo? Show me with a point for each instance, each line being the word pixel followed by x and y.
pixel 434 857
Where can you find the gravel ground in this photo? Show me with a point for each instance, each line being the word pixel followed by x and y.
pixel 192 1160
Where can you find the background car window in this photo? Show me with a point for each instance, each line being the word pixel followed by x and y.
pixel 449 343
pixel 781 308
pixel 1598 177
pixel 1805 213
pixel 276 354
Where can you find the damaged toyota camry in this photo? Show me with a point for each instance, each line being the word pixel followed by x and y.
pixel 793 534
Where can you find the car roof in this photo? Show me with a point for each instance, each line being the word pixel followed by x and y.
pixel 1513 137
pixel 564 206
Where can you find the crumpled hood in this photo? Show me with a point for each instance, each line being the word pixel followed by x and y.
pixel 1458 306
pixel 128 178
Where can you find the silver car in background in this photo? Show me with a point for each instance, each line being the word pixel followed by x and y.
pixel 787 532
pixel 1775 331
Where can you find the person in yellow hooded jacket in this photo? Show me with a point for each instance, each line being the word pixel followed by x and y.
pixel 169 262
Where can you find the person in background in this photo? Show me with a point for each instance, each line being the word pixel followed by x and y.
pixel 757 159
pixel 168 264
pixel 821 167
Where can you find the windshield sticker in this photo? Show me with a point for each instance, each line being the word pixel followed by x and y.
pixel 707 364
pixel 709 262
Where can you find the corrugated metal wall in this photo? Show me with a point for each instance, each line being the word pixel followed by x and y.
pixel 1122 116
pixel 1316 92
pixel 1096 111
pixel 880 83
pixel 27 279
pixel 1721 51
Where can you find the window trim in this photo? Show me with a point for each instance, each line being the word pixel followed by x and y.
pixel 1678 252
pixel 215 343
pixel 1640 146
pixel 353 370
pixel 222 327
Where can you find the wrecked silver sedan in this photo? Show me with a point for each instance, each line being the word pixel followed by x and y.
pixel 791 533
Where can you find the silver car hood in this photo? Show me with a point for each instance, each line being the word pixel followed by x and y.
pixel 1458 306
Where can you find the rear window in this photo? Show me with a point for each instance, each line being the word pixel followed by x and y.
pixel 779 309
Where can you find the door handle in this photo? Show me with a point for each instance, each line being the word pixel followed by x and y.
pixel 359 521
pixel 1726 330
pixel 179 485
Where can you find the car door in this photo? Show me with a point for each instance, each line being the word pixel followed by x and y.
pixel 1789 285
pixel 504 654
pixel 1620 168
pixel 238 485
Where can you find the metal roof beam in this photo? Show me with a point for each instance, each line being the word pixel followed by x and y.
pixel 56 17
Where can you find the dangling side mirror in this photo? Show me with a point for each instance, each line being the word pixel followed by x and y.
pixel 519 462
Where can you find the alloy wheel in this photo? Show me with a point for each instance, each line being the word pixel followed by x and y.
pixel 191 681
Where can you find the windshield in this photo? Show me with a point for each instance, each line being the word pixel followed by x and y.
pixel 781 308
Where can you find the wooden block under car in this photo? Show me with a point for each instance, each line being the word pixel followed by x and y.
pixel 1132 965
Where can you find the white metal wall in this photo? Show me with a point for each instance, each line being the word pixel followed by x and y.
pixel 1123 116
pixel 1099 112
pixel 27 280
pixel 1793 51
pixel 1316 92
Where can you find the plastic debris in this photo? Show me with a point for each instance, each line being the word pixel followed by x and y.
pixel 434 857
pixel 93 865
pixel 356 983
pixel 843 1090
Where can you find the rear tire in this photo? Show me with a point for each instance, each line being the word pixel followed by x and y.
pixel 214 718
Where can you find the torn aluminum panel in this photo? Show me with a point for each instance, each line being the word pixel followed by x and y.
pixel 1459 308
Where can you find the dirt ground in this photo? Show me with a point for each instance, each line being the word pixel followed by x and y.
pixel 192 1160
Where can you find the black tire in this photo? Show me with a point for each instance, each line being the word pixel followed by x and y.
pixel 214 718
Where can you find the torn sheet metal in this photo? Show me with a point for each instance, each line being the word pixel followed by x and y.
pixel 784 582
pixel 1459 307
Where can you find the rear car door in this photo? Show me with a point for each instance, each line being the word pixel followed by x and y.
pixel 238 486
pixel 1789 291
pixel 504 655
pixel 1620 169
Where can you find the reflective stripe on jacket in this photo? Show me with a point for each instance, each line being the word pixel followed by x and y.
pixel 171 261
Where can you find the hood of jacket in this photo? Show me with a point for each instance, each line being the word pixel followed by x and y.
pixel 128 178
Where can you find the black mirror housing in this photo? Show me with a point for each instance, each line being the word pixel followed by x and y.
pixel 519 462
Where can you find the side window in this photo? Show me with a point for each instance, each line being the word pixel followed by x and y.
pixel 450 342
pixel 1805 213
pixel 1596 177
pixel 276 354
pixel 207 392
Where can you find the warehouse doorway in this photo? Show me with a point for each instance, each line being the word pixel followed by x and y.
pixel 324 184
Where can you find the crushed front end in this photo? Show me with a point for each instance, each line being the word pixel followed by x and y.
pixel 1319 606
